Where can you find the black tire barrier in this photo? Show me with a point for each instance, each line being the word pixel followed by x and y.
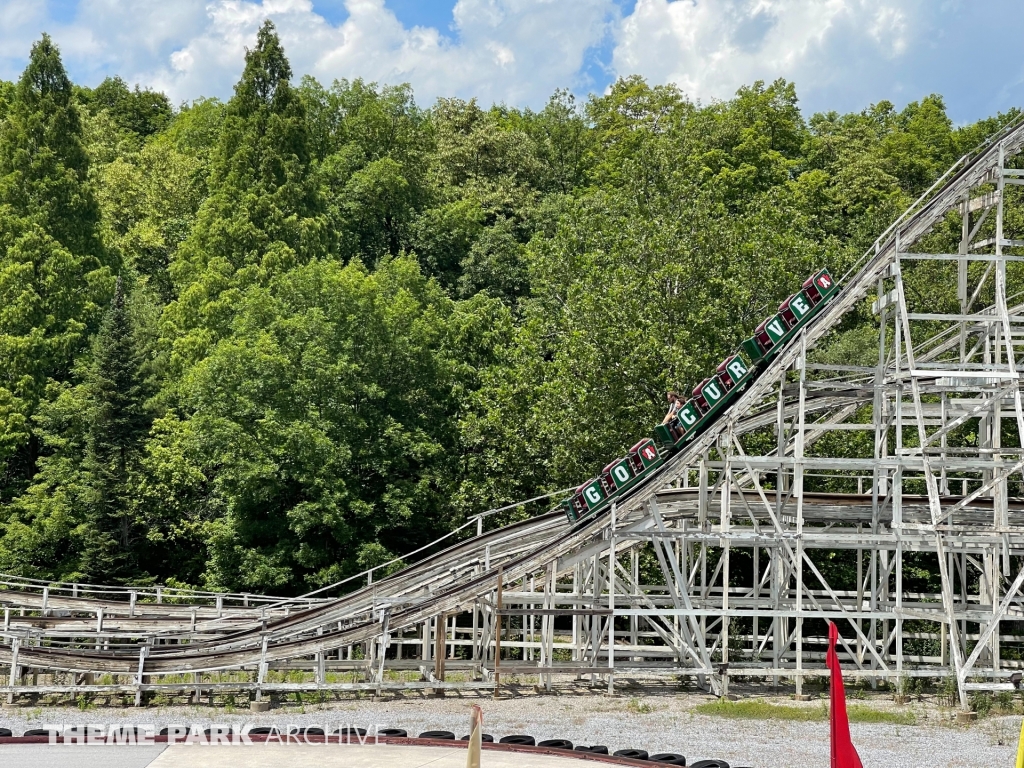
pixel 346 731
pixel 447 735
pixel 635 754
pixel 710 764
pixel 555 743
pixel 38 732
pixel 123 730
pixel 165 731
pixel 230 732
pixel 311 731
pixel 521 739
pixel 393 733
pixel 597 749
pixel 5 733
pixel 668 758
pixel 260 730
pixel 483 737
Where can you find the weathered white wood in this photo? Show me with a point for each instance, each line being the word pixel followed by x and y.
pixel 927 386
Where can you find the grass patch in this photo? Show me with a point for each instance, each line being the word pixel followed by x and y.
pixel 859 713
pixel 757 709
pixel 638 707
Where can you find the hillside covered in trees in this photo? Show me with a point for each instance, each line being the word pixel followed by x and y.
pixel 263 344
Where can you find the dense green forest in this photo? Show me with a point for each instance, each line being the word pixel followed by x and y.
pixel 262 344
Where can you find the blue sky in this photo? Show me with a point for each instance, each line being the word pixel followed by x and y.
pixel 842 54
pixel 412 13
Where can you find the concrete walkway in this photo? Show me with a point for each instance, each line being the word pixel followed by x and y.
pixel 266 756
pixel 347 756
pixel 75 756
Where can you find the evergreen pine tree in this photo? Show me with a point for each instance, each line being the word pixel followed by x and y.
pixel 265 211
pixel 53 275
pixel 43 162
pixel 118 424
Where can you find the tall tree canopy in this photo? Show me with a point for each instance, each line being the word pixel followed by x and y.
pixel 264 211
pixel 54 271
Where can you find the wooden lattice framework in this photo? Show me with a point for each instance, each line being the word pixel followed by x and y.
pixel 711 570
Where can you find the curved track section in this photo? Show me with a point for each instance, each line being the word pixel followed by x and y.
pixel 456 610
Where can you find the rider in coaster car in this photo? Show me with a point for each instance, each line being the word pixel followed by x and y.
pixel 671 419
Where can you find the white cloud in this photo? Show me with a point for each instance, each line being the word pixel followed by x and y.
pixel 889 30
pixel 19 20
pixel 105 37
pixel 709 48
pixel 517 51
pixel 842 54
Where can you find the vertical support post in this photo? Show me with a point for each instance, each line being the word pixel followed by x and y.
pixel 897 498
pixel 860 595
pixel 426 647
pixel 996 577
pixel 143 652
pixel 634 572
pixel 576 602
pixel 475 641
pixel 548 623
pixel 898 567
pixel 704 526
pixel 779 577
pixel 961 268
pixel 943 644
pixel 755 642
pixel 681 553
pixel 725 526
pixel 385 639
pixel 440 638
pixel 261 671
pixel 319 672
pixel 530 627
pixel 497 635
pixel 944 457
pixel 879 485
pixel 798 493
pixel 596 585
pixel 15 669
pixel 611 601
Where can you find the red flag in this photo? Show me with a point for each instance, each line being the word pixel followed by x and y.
pixel 844 755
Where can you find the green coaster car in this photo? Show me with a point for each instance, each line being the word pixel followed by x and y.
pixel 708 400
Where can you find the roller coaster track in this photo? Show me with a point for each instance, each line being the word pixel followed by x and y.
pixel 145 634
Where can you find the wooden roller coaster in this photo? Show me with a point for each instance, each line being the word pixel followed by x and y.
pixel 707 570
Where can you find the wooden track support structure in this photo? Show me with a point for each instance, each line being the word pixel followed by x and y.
pixel 900 461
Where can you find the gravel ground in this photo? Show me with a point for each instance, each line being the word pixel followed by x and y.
pixel 620 722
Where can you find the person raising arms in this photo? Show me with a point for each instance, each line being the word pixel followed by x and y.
pixel 671 419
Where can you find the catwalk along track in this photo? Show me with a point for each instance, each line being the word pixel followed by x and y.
pixel 710 568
